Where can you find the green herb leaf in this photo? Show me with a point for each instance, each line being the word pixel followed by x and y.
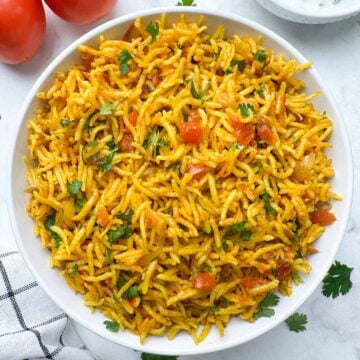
pixel 297 322
pixel 107 109
pixel 106 164
pixel 127 215
pixel 153 30
pixel 261 89
pixel 269 209
pixel 214 309
pixel 265 306
pixel 194 92
pixel 86 125
pixel 205 267
pixel 260 55
pixel 112 325
pixel 131 292
pixel 121 282
pixel 79 204
pixel 122 232
pixel 74 270
pixel 108 258
pixel 174 166
pixel 246 109
pixel 124 58
pixel 240 228
pixel 153 142
pixel 207 228
pixel 146 356
pixel 337 281
pixel 239 63
pixel 224 301
pixel 186 3
pixel 224 244
pixel 216 55
pixel 48 223
pixel 64 122
pixel 74 187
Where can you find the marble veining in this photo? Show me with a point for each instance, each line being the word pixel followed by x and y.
pixel 333 331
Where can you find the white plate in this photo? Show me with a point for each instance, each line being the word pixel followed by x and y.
pixel 237 331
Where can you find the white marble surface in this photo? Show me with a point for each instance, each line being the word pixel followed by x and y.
pixel 333 331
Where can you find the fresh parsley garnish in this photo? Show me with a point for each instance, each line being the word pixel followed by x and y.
pixel 153 30
pixel 214 309
pixel 146 356
pixel 48 223
pixel 74 270
pixel 297 322
pixel 337 281
pixel 121 232
pixel 153 142
pixel 239 228
pixel 265 306
pixel 86 125
pixel 74 187
pixel 266 199
pixel 107 109
pixel 131 292
pixel 195 93
pixel 124 58
pixel 239 63
pixel 79 204
pixel 246 109
pixel 260 55
pixel 127 215
pixel 186 3
pixel 108 258
pixel 112 325
pixel 64 122
pixel 106 163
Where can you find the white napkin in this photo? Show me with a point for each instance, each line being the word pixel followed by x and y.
pixel 31 325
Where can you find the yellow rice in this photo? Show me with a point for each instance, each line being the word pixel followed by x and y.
pixel 180 224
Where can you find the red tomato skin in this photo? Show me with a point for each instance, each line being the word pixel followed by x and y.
pixel 322 217
pixel 81 12
pixel 125 142
pixel 243 132
pixel 203 281
pixel 133 117
pixel 264 131
pixel 192 131
pixel 22 29
pixel 197 171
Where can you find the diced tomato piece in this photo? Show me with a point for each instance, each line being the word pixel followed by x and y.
pixel 192 131
pixel 133 116
pixel 125 142
pixel 283 270
pixel 203 281
pixel 197 171
pixel 250 282
pixel 243 132
pixel 155 79
pixel 103 217
pixel 322 217
pixel 132 302
pixel 264 131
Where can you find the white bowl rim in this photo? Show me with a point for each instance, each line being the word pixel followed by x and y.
pixel 338 13
pixel 50 70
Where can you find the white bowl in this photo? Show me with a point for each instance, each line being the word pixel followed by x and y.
pixel 317 15
pixel 238 331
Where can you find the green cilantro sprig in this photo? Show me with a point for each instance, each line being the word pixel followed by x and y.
pixel 260 56
pixel 74 187
pixel 112 325
pixel 297 322
pixel 246 109
pixel 153 142
pixel 153 30
pixel 106 163
pixel 74 270
pixel 121 232
pixel 269 209
pixel 198 95
pixel 337 281
pixel 240 229
pixel 48 223
pixel 124 58
pixel 186 3
pixel 265 307
pixel 127 215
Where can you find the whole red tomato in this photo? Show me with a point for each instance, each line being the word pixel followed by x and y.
pixel 22 29
pixel 81 11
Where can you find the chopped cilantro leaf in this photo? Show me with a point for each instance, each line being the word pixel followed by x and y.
pixel 48 223
pixel 122 232
pixel 269 209
pixel 79 204
pixel 124 58
pixel 214 309
pixel 86 125
pixel 265 306
pixel 337 281
pixel 297 322
pixel 153 30
pixel 174 166
pixel 240 228
pixel 260 90
pixel 112 325
pixel 127 215
pixel 74 187
pixel 246 109
pixel 194 92
pixel 153 142
pixel 131 292
pixel 186 3
pixel 74 270
pixel 260 55
pixel 108 258
pixel 64 122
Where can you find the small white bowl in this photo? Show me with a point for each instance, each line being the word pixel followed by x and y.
pixel 237 331
pixel 294 11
